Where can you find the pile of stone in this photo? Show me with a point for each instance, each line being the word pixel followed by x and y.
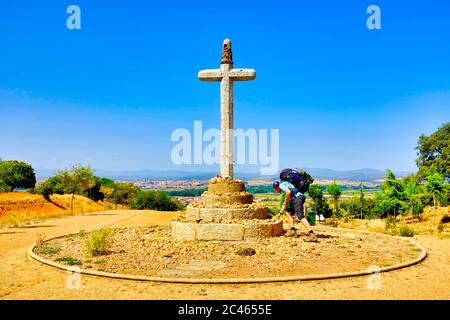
pixel 226 211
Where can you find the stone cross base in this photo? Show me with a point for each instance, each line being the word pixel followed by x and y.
pixel 226 212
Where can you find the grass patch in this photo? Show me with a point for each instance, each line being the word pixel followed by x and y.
pixel 70 261
pixel 99 261
pixel 351 253
pixel 81 233
pixel 406 231
pixel 99 242
pixel 48 250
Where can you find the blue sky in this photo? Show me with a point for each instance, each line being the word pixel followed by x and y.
pixel 110 94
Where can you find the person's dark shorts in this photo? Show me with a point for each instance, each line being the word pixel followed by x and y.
pixel 297 203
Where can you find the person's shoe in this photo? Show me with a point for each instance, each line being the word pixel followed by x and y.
pixel 311 237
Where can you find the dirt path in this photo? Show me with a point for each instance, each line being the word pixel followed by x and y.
pixel 22 278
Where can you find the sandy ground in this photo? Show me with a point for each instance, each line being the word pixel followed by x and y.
pixel 23 278
pixel 151 251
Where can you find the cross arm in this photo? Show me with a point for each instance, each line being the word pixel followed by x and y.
pixel 210 75
pixel 242 74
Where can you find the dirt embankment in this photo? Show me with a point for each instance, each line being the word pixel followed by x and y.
pixel 20 207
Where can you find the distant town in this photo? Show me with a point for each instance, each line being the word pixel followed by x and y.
pixel 171 184
pixel 191 184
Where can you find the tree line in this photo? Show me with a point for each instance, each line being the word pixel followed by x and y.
pixel 397 196
pixel 428 187
pixel 411 194
pixel 80 180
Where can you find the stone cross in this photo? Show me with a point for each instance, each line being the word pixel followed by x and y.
pixel 226 75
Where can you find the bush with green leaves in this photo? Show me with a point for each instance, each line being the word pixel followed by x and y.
pixel 4 187
pixel 335 191
pixel 50 186
pixel 75 180
pixel 192 192
pixel 95 192
pixel 156 200
pixel 120 193
pixel 406 231
pixel 434 150
pixel 99 242
pixel 48 250
pixel 358 206
pixel 435 185
pixel 70 261
pixel 15 174
pixel 318 204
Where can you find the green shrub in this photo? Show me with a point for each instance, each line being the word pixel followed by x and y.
pixel 417 208
pixel 99 242
pixel 192 192
pixel 156 200
pixel 15 174
pixel 50 186
pixel 273 211
pixel 81 233
pixel 70 261
pixel 406 231
pixel 4 187
pixel 391 223
pixel 48 250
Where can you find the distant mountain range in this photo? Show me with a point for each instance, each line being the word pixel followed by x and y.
pixel 365 174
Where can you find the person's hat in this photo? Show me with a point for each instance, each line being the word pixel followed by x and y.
pixel 276 184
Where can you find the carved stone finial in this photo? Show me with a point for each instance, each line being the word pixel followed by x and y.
pixel 227 55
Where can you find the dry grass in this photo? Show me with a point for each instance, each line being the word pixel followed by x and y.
pixel 427 223
pixel 18 208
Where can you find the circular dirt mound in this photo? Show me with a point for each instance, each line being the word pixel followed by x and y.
pixel 151 254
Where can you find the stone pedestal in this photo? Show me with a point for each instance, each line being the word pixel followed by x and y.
pixel 226 212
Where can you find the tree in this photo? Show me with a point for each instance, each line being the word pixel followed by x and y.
pixel 95 193
pixel 319 205
pixel 307 176
pixel 358 205
pixel 434 150
pixel 50 186
pixel 361 199
pixel 76 180
pixel 315 191
pixel 4 187
pixel 391 199
pixel 16 174
pixel 386 204
pixel 435 185
pixel 334 190
pixel 389 179
pixel 120 192
pixel 155 200
pixel 446 200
